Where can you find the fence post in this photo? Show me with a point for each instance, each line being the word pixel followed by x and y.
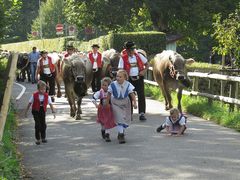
pixel 236 94
pixel 7 93
pixel 210 90
pixel 195 84
pixel 232 87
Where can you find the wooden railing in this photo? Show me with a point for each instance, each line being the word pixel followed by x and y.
pixel 233 81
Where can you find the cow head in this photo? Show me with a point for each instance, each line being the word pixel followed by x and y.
pixel 178 68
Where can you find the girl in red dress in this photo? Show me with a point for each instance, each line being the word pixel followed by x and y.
pixel 104 115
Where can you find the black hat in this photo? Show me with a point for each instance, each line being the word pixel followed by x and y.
pixel 43 52
pixel 95 45
pixel 70 47
pixel 129 45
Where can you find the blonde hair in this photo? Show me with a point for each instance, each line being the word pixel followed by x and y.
pixel 174 111
pixel 124 72
pixel 41 84
pixel 107 80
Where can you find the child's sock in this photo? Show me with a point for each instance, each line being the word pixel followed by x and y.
pixel 120 128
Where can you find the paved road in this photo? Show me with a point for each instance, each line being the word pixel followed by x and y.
pixel 75 149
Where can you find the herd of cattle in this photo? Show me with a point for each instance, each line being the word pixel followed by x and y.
pixel 168 70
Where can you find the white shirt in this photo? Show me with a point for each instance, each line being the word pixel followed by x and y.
pixel 132 60
pixel 41 98
pixel 181 122
pixel 95 60
pixel 46 70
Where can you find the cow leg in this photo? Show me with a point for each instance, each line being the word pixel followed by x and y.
pixel 59 94
pixel 179 96
pixel 71 102
pixel 167 97
pixel 79 110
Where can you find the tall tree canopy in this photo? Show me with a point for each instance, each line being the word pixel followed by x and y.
pixel 9 13
pixel 50 14
pixel 227 34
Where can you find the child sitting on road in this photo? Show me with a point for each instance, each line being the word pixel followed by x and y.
pixel 39 101
pixel 175 124
pixel 104 115
pixel 119 92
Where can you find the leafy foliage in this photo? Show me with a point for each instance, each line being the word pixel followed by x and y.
pixel 227 34
pixel 50 14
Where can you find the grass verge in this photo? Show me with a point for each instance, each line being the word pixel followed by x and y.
pixel 9 159
pixel 199 106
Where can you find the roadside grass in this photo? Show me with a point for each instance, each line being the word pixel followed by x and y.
pixel 199 106
pixel 9 158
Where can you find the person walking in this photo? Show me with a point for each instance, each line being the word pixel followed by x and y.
pixel 119 92
pixel 104 114
pixel 136 65
pixel 33 58
pixel 39 101
pixel 96 59
pixel 47 71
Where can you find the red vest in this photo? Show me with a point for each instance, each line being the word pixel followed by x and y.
pixel 36 101
pixel 99 59
pixel 51 65
pixel 126 64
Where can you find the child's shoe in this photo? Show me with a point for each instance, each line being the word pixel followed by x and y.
pixel 37 142
pixel 160 128
pixel 44 141
pixel 107 137
pixel 121 138
pixel 103 133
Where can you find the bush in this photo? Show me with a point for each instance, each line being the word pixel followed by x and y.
pixel 152 42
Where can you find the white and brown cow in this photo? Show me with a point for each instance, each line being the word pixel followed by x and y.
pixel 169 72
pixel 77 77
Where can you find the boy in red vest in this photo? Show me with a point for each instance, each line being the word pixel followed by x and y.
pixel 39 101
pixel 96 59
pixel 47 71
pixel 136 66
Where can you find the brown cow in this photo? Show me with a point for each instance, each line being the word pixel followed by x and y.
pixel 77 77
pixel 169 72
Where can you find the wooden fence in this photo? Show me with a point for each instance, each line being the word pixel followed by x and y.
pixel 8 92
pixel 232 98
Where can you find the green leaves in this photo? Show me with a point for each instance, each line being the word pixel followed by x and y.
pixel 226 33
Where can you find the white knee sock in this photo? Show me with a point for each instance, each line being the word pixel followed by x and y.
pixel 120 128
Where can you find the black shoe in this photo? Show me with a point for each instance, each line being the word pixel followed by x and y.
pixel 37 142
pixel 107 137
pixel 103 133
pixel 44 141
pixel 121 138
pixel 142 118
pixel 160 128
pixel 52 98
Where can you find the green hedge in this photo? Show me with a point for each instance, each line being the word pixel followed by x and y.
pixel 57 44
pixel 152 42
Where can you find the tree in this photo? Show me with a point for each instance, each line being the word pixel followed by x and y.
pixel 9 11
pixel 227 34
pixel 50 14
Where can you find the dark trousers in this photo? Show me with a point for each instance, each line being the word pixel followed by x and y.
pixel 139 88
pixel 50 80
pixel 40 123
pixel 96 81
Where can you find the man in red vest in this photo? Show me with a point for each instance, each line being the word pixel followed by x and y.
pixel 136 65
pixel 46 70
pixel 96 59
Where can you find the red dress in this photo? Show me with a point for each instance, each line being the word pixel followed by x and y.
pixel 105 115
